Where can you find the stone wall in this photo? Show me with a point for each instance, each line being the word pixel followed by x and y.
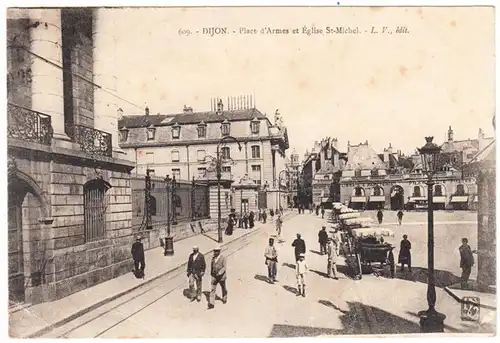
pixel 19 76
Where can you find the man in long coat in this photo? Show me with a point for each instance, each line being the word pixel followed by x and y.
pixel 218 273
pixel 466 262
pixel 195 270
pixel 138 256
pixel 300 246
pixel 322 240
pixel 405 253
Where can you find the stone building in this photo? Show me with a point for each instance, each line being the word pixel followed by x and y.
pixel 184 144
pixel 69 207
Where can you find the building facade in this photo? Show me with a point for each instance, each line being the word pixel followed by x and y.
pixel 184 145
pixel 69 208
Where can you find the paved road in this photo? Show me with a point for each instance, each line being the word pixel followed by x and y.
pixel 256 308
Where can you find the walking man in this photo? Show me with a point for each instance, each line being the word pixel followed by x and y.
pixel 138 256
pixel 271 260
pixel 400 217
pixel 466 262
pixel 322 240
pixel 195 270
pixel 322 212
pixel 218 273
pixel 380 216
pixel 405 253
pixel 331 250
pixel 279 223
pixel 300 246
pixel 264 216
pixel 301 271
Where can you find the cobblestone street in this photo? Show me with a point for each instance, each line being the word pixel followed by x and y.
pixel 256 308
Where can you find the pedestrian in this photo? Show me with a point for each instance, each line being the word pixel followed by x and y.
pixel 405 253
pixel 301 271
pixel 251 218
pixel 271 260
pixel 331 250
pixel 279 223
pixel 300 246
pixel 264 216
pixel 240 220
pixel 271 213
pixel 138 256
pixel 380 216
pixel 322 212
pixel 392 265
pixel 218 273
pixel 245 220
pixel 317 210
pixel 400 217
pixel 466 262
pixel 195 270
pixel 260 215
pixel 230 224
pixel 322 240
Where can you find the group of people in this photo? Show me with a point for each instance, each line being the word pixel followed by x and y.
pixel 380 216
pixel 242 221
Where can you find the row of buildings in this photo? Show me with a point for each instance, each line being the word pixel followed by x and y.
pixel 365 179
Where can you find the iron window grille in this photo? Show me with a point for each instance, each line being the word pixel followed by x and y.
pixel 94 209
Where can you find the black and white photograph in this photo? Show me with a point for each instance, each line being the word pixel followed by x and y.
pixel 250 171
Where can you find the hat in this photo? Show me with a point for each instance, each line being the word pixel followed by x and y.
pixel 217 247
pixel 138 238
pixel 195 247
pixel 302 255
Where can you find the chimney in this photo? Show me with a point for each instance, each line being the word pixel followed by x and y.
pixel 450 134
pixel 187 109
pixel 146 111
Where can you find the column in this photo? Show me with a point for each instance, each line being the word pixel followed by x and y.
pixel 47 79
pixel 104 56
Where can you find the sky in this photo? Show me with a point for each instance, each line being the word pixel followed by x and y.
pixel 384 88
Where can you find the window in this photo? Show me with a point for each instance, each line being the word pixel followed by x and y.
pixel 176 131
pixel 438 190
pixel 255 151
pixel 202 130
pixel 175 156
pixel 94 210
pixel 374 172
pixel 377 191
pixel 460 190
pixel 225 153
pixel 255 126
pixel 201 154
pixel 151 133
pixel 226 169
pixel 150 158
pixel 416 191
pixel 357 173
pixel 152 204
pixel 176 173
pixel 256 174
pixel 225 128
pixel 202 172
pixel 123 135
pixel 358 192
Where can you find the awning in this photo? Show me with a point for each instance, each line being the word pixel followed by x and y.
pixel 377 198
pixel 358 199
pixel 439 200
pixel 458 198
pixel 415 199
pixel 476 199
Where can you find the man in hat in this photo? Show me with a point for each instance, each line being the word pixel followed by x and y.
pixel 322 240
pixel 195 270
pixel 331 251
pixel 218 273
pixel 466 262
pixel 299 245
pixel 138 256
pixel 271 260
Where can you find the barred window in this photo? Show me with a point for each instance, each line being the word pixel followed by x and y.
pixel 255 126
pixel 225 128
pixel 94 209
pixel 225 153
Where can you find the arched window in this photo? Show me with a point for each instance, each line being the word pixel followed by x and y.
pixel 152 204
pixel 417 192
pixel 94 209
pixel 460 189
pixel 359 192
pixel 438 190
pixel 377 191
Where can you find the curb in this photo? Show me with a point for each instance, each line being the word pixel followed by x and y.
pixel 90 308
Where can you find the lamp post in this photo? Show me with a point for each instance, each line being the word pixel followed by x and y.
pixel 218 166
pixel 279 187
pixel 430 319
pixel 147 189
pixel 169 240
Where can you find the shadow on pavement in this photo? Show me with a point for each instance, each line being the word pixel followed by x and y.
pixel 261 278
pixel 465 329
pixel 315 252
pixel 320 273
pixel 443 277
pixel 208 236
pixel 207 296
pixel 290 289
pixel 289 265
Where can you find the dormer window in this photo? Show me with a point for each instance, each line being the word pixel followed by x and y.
pixel 255 126
pixel 202 130
pixel 225 128
pixel 151 133
pixel 176 131
pixel 123 134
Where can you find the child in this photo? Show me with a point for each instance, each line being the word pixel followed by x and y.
pixel 301 270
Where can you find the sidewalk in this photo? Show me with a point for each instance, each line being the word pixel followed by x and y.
pixel 35 320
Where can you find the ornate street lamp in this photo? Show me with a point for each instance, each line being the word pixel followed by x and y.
pixel 218 166
pixel 430 319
